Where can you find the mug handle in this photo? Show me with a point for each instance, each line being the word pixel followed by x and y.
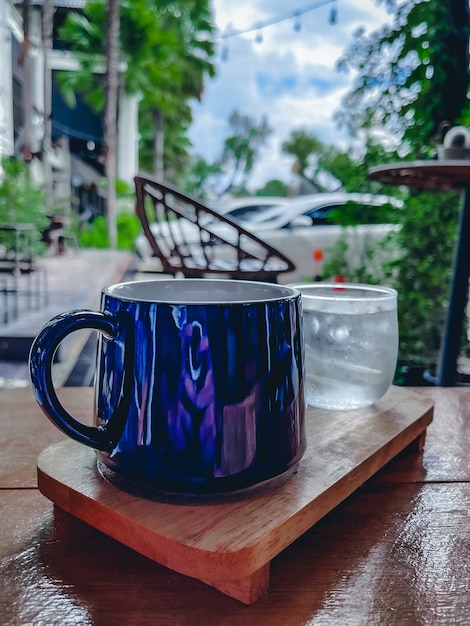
pixel 41 359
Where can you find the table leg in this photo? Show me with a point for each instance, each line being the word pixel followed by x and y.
pixel 246 590
pixel 447 369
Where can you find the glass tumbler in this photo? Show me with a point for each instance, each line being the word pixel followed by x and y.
pixel 351 343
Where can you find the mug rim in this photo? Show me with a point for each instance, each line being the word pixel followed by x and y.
pixel 265 292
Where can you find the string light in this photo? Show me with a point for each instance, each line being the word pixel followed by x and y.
pixel 287 16
pixel 333 14
pixel 296 15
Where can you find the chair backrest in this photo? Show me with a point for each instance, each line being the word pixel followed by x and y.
pixel 191 239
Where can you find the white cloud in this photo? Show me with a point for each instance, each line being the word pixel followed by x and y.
pixel 290 77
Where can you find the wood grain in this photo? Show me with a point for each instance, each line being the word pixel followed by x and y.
pixel 396 552
pixel 25 432
pixel 228 543
pixel 445 454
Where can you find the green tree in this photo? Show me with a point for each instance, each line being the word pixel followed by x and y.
pixel 411 77
pixel 111 84
pixel 189 50
pixel 305 147
pixel 242 147
pixel 21 202
pixel 274 187
pixel 302 144
pixel 347 168
pixel 166 48
pixel 201 178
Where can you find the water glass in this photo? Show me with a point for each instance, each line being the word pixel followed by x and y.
pixel 351 343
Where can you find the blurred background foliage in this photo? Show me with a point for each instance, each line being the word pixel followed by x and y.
pixel 410 78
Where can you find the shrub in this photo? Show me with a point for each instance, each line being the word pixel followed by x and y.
pixel 95 235
pixel 21 202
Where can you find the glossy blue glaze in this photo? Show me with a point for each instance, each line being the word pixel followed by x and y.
pixel 198 398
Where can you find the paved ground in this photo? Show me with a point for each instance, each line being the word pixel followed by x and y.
pixel 74 281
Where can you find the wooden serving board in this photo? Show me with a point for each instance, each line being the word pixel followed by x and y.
pixel 229 543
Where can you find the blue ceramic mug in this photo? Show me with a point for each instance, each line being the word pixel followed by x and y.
pixel 199 384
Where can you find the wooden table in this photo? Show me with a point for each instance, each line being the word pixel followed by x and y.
pixel 397 551
pixel 439 176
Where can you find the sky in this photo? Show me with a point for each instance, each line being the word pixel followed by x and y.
pixel 289 77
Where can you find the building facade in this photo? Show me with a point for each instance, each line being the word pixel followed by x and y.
pixel 76 157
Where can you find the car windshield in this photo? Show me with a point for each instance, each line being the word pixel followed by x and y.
pixel 248 213
pixel 248 210
pixel 266 214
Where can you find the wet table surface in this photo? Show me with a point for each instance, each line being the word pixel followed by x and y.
pixel 397 551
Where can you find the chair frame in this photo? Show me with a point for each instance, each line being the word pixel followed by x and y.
pixel 250 257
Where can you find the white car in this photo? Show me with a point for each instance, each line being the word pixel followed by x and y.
pixel 301 229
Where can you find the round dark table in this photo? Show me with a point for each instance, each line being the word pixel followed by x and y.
pixel 441 176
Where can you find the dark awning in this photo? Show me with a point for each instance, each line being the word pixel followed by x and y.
pixel 78 123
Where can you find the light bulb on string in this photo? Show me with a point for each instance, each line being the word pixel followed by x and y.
pixel 297 15
pixel 298 22
pixel 333 14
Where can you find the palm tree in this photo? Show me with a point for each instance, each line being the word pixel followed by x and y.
pixel 47 27
pixel 169 67
pixel 166 46
pixel 25 61
pixel 110 114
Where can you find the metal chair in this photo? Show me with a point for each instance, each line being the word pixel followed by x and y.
pixel 194 241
